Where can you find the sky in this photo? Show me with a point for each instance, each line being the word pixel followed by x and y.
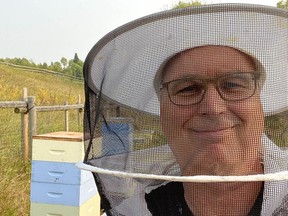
pixel 47 30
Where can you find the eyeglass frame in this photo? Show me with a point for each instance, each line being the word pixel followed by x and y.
pixel 255 75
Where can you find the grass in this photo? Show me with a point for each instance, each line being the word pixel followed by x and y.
pixel 276 128
pixel 15 172
pixel 47 89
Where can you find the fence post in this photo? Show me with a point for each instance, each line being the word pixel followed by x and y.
pixel 79 111
pixel 66 118
pixel 31 121
pixel 24 128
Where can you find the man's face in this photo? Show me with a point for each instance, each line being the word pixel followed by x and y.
pixel 215 136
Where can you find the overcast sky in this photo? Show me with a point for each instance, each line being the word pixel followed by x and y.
pixel 46 30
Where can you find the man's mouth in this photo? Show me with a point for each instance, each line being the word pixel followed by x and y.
pixel 213 130
pixel 212 133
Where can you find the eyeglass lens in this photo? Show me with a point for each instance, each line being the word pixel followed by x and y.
pixel 232 87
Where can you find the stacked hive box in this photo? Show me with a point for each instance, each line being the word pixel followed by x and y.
pixel 57 186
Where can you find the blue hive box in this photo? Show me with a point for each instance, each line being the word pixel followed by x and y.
pixel 58 172
pixel 62 194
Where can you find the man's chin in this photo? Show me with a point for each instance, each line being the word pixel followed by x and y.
pixel 213 168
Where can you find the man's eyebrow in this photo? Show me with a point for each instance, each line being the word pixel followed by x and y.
pixel 184 77
pixel 204 77
pixel 197 76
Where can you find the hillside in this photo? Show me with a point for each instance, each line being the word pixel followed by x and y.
pixel 48 89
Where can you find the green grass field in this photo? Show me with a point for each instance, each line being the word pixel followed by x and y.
pixel 48 90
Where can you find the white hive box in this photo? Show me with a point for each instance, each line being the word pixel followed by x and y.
pixel 89 208
pixel 58 147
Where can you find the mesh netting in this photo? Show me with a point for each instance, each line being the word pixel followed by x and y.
pixel 185 113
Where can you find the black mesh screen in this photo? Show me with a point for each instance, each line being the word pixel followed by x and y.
pixel 181 106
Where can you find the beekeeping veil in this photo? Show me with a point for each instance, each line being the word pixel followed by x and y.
pixel 125 146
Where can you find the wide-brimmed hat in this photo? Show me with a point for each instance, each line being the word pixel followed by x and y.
pixel 123 63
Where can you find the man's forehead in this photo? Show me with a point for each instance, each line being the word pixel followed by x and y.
pixel 208 61
pixel 216 52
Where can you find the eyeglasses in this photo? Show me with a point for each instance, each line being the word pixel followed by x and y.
pixel 231 87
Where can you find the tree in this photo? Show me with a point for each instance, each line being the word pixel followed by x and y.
pixel 183 4
pixel 32 63
pixel 74 69
pixel 76 58
pixel 64 62
pixel 23 61
pixel 55 66
pixel 77 70
pixel 283 4
pixel 44 65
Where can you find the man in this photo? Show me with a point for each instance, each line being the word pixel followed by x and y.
pixel 212 116
pixel 208 66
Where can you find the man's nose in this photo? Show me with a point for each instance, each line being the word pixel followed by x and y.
pixel 212 103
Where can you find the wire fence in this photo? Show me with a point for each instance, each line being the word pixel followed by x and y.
pixel 21 120
pixel 10 132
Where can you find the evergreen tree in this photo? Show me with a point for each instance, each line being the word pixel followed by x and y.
pixel 76 58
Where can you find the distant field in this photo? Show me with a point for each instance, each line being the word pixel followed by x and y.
pixel 48 90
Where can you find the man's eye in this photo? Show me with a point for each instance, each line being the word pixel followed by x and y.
pixel 191 89
pixel 234 83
